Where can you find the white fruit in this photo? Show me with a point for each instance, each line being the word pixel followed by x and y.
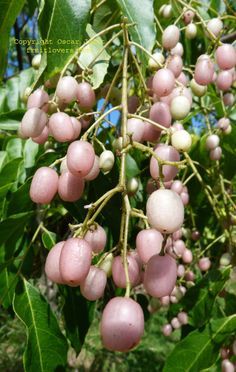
pixel 181 140
pixel 180 107
pixel 106 161
pixel 165 211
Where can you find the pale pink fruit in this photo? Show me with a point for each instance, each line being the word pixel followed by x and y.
pixel 148 243
pixel 183 317
pixel 163 82
pixel 52 263
pixel 61 128
pixel 66 89
pixel 76 124
pixel 75 261
pixel 94 171
pixel 167 330
pixel 226 56
pixel 86 96
pixel 80 158
pixel 42 138
pixel 160 275
pixel 44 185
pixel 224 80
pixel 122 324
pixel 212 141
pixel 96 237
pixel 178 49
pixel 133 104
pixel 175 64
pixel 93 286
pixel 177 186
pixel 187 256
pixel 204 71
pixel 216 153
pixel 204 264
pixel 160 113
pixel 175 323
pixel 168 153
pixel 118 272
pixel 70 187
pixel 33 122
pixel 39 98
pixel 135 127
pixel 170 37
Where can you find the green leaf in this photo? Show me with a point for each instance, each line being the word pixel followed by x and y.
pixel 200 348
pixel 78 315
pixel 199 300
pixel 13 226
pixel 48 239
pixel 14 148
pixel 46 348
pixel 142 14
pixel 30 152
pixel 132 168
pixel 63 24
pixel 20 200
pixel 9 11
pixel 10 171
pixel 11 120
pixel 89 53
pixel 8 281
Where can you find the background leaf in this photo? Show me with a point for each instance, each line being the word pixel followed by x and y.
pixel 43 332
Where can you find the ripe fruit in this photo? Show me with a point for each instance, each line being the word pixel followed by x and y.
pixel 212 141
pixel 118 272
pixel 188 16
pixel 151 132
pixel 160 113
pixel 33 122
pixel 86 96
pixel 175 64
pixel 163 82
pixel 160 275
pixel 227 366
pixel 223 124
pixel 175 323
pixel 42 138
pixel 156 62
pixel 204 264
pixel 177 186
pixel 204 70
pixel 216 153
pixel 70 187
pixel 75 261
pixel 94 171
pixel 122 324
pixel 187 256
pixel 228 99
pixel 39 98
pixel 66 89
pixel 96 237
pixel 226 56
pixel 191 31
pixel 170 37
pixel 76 124
pixel 167 330
pixel 165 211
pixel 183 317
pixel 197 89
pixel 44 185
pixel 224 80
pixel 80 158
pixel 164 152
pixel 178 49
pixel 93 286
pixel 179 247
pixel 61 128
pixel 148 243
pixel 133 104
pixel 106 161
pixel 180 107
pixel 52 263
pixel 135 127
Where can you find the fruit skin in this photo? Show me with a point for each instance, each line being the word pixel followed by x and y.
pixel 215 26
pixel 122 324
pixel 155 63
pixel 181 140
pixel 52 263
pixel 164 152
pixel 80 158
pixel 216 153
pixel 93 286
pixel 163 82
pixel 70 187
pixel 97 238
pixel 191 31
pixel 226 56
pixel 61 128
pixel 197 89
pixel 39 98
pixel 212 141
pixel 170 37
pixel 135 127
pixel 180 107
pixel 66 89
pixel 148 243
pixel 106 161
pixel 44 185
pixel 204 70
pixel 160 113
pixel 165 211
pixel 86 96
pixel 160 275
pixel 118 272
pixel 224 80
pixel 33 122
pixel 94 171
pixel 75 261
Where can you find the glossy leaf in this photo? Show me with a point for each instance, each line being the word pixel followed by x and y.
pixel 43 332
pixel 63 25
pixel 48 239
pixel 9 12
pixel 142 14
pixel 78 315
pixel 89 54
pixel 200 348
